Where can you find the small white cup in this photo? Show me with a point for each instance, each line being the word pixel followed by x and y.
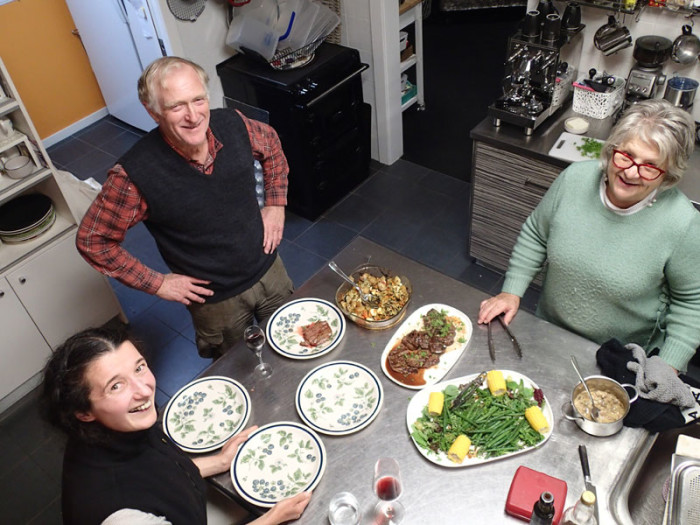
pixel 344 509
pixel 6 128
pixel 403 40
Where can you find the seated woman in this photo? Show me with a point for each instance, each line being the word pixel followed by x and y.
pixel 621 243
pixel 99 390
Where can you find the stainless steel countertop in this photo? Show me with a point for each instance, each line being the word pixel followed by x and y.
pixel 435 494
pixel 537 145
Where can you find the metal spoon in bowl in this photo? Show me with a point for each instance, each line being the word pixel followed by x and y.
pixel 594 411
pixel 366 298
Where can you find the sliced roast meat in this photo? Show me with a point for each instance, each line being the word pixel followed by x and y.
pixel 422 348
pixel 316 333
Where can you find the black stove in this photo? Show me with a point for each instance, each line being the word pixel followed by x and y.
pixel 319 114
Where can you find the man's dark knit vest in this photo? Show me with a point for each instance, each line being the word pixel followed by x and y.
pixel 205 226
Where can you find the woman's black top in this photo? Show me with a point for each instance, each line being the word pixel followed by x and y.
pixel 136 470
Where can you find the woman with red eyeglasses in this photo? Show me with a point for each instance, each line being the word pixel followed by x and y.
pixel 619 243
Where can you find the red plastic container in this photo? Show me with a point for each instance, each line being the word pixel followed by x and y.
pixel 525 490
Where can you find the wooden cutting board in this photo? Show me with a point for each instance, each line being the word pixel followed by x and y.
pixel 566 147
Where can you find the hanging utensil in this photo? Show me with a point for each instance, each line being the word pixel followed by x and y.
pixel 686 47
pixel 594 411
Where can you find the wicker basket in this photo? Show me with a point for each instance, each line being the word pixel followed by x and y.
pixel 598 105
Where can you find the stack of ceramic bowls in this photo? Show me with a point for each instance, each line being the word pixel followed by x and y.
pixel 25 217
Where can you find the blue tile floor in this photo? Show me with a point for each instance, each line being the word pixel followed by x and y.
pixel 413 210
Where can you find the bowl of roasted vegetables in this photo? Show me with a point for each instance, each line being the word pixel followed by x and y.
pixel 391 294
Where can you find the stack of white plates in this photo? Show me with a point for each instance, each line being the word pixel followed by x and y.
pixel 25 217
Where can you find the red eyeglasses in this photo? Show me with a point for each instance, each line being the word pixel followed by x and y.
pixel 646 171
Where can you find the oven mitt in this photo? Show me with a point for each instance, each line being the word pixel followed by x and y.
pixel 656 380
pixel 612 358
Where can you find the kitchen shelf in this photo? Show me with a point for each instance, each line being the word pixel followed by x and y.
pixel 12 255
pixel 9 188
pixel 409 62
pixel 411 12
pixel 8 105
pixel 619 6
pixel 47 291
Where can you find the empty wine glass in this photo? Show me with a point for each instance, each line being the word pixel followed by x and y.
pixel 255 339
pixel 387 487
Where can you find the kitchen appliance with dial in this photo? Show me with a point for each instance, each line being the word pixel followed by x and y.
pixel 645 77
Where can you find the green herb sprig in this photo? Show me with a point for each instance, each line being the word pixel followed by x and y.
pixel 590 148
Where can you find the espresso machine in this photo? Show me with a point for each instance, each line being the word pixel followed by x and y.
pixel 538 72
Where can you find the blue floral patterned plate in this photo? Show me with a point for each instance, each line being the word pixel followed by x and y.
pixel 284 327
pixel 205 413
pixel 340 397
pixel 278 461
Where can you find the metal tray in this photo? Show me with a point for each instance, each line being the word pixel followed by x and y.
pixel 684 497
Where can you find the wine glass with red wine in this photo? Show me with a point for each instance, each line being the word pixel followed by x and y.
pixel 255 340
pixel 387 487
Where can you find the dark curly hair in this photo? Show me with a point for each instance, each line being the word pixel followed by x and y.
pixel 65 391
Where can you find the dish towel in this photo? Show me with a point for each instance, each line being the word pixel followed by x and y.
pixel 654 416
pixel 657 381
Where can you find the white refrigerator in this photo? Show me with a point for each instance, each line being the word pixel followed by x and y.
pixel 121 37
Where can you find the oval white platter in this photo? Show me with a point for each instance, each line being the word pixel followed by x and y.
pixel 284 327
pixel 453 352
pixel 278 461
pixel 205 413
pixel 420 400
pixel 340 397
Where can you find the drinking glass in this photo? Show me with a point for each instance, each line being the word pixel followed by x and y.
pixel 255 339
pixel 387 487
pixel 344 509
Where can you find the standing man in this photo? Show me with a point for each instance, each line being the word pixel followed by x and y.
pixel 191 181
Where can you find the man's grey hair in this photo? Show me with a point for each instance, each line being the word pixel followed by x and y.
pixel 152 78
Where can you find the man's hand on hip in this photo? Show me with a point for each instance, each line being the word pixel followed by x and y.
pixel 183 289
pixel 273 225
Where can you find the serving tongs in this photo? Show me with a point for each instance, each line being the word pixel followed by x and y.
pixel 468 390
pixel 492 349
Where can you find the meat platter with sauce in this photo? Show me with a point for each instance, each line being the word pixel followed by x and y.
pixel 419 360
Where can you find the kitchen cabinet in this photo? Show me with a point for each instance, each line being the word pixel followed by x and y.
pixel 411 13
pixel 47 291
pixel 61 292
pixel 24 351
pixel 506 188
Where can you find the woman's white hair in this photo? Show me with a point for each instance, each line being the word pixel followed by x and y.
pixel 657 123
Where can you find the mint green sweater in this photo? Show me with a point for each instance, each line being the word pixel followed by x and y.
pixel 634 277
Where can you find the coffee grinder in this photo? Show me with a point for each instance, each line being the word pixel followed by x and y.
pixel 645 77
pixel 538 77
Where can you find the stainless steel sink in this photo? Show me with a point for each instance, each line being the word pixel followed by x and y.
pixel 638 497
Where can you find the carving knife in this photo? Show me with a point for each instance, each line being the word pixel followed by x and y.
pixel 583 454
pixel 516 344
